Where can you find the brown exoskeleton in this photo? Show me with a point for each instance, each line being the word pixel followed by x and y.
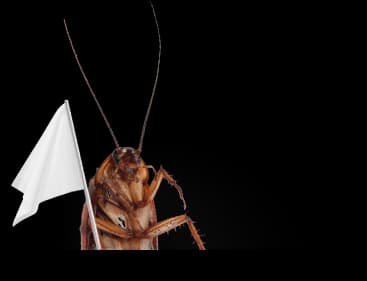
pixel 122 197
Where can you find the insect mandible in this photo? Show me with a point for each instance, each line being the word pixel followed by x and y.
pixel 122 198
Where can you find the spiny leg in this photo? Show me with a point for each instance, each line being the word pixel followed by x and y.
pixel 153 188
pixel 172 223
pixel 195 234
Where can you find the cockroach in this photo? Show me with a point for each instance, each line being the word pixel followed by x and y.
pixel 122 198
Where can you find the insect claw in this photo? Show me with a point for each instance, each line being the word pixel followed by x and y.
pixel 151 167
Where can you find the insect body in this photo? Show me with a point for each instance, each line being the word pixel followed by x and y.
pixel 123 201
pixel 123 198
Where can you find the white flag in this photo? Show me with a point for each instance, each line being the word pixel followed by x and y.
pixel 53 168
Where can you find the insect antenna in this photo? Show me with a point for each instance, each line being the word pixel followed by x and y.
pixel 90 87
pixel 140 147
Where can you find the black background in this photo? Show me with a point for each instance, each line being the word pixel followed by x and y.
pixel 235 118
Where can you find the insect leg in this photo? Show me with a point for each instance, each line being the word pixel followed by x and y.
pixel 172 223
pixel 84 231
pixel 118 215
pixel 111 228
pixel 153 188
pixel 195 234
pixel 115 214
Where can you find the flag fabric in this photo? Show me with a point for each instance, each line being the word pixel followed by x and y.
pixel 53 168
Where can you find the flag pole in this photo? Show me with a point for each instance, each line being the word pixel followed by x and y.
pixel 85 187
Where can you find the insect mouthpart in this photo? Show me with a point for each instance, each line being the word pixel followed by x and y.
pixel 127 155
pixel 127 162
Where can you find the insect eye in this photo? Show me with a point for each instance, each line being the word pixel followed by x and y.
pixel 116 154
pixel 121 222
